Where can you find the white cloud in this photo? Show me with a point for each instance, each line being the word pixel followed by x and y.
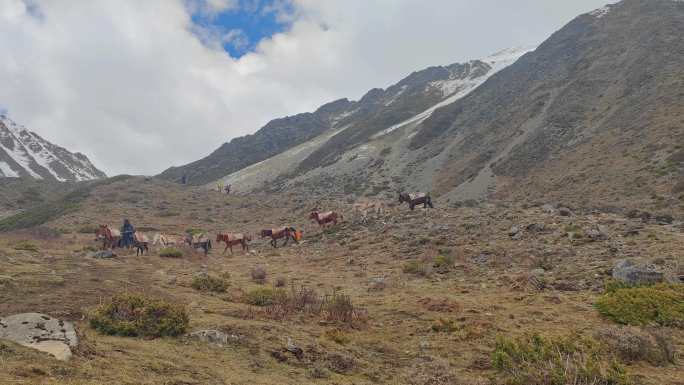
pixel 132 85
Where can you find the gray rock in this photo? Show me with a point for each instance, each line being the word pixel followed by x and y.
pixel 535 227
pixel 40 332
pixel 513 231
pixel 565 212
pixel 103 254
pixel 549 209
pixel 538 272
pixel 215 337
pixel 596 234
pixel 664 219
pixel 637 274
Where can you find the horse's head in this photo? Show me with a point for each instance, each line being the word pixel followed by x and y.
pixel 403 197
pixel 219 237
pixel 313 215
pixel 248 238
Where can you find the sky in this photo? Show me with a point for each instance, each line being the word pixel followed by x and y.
pixel 139 86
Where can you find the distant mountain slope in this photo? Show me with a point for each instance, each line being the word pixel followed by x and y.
pixel 352 122
pixel 594 117
pixel 25 154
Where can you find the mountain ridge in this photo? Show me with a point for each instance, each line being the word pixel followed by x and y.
pixel 24 153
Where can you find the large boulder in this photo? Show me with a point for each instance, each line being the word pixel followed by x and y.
pixel 40 332
pixel 634 274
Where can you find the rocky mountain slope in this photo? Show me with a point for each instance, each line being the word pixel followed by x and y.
pixel 346 123
pixel 25 154
pixel 592 117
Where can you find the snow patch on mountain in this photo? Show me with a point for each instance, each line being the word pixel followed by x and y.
pixel 457 88
pixel 600 12
pixel 23 152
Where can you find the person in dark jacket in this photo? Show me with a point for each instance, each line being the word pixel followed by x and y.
pixel 127 234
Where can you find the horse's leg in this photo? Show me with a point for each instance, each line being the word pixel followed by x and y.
pixel 226 249
pixel 412 206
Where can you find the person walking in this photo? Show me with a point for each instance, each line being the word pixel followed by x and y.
pixel 127 234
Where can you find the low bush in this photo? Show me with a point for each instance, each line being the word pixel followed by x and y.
pixel 26 246
pixel 338 336
pixel 660 304
pixel 339 308
pixel 170 252
pixel 133 315
pixel 263 296
pixel 417 267
pixel 280 282
pixel 633 344
pixel 258 274
pixel 534 360
pixel 443 263
pixel 210 283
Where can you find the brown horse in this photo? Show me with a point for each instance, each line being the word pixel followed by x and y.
pixel 233 240
pixel 110 237
pixel 416 199
pixel 281 232
pixel 324 218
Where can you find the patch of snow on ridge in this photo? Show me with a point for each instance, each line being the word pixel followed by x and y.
pixel 6 171
pixel 463 87
pixel 599 13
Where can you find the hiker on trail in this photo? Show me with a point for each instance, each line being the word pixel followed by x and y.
pixel 228 189
pixel 219 187
pixel 127 234
pixel 184 179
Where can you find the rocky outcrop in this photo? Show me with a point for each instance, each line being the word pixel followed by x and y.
pixel 40 332
pixel 633 274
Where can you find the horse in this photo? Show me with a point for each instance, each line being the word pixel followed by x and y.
pixel 141 243
pixel 198 242
pixel 282 232
pixel 364 208
pixel 110 237
pixel 416 199
pixel 164 240
pixel 233 240
pixel 324 218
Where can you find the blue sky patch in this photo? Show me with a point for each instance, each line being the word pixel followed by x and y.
pixel 240 28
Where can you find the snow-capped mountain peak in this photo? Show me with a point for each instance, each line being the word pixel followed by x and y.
pixel 24 153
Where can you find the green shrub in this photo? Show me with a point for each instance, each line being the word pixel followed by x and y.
pixel 661 304
pixel 443 262
pixel 170 252
pixel 262 296
pixel 534 360
pixel 26 246
pixel 209 283
pixel 132 315
pixel 194 232
pixel 338 336
pixel 416 267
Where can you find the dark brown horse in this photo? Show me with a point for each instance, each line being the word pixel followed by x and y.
pixel 325 218
pixel 233 240
pixel 416 199
pixel 110 237
pixel 281 232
